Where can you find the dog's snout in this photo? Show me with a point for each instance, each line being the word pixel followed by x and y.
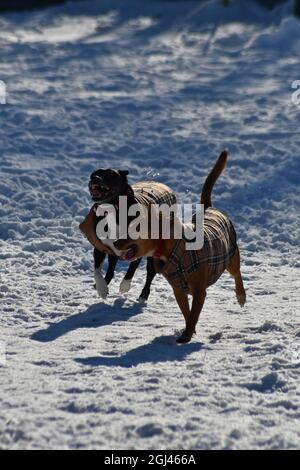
pixel 96 180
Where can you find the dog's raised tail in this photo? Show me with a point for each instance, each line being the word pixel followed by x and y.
pixel 212 178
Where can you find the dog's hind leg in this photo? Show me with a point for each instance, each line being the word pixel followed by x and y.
pixel 234 269
pixel 101 284
pixel 151 273
pixel 126 283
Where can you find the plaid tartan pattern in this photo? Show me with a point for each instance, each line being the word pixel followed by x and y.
pixel 218 249
pixel 150 192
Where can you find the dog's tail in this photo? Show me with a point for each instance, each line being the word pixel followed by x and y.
pixel 212 178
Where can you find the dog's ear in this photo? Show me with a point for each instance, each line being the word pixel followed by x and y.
pixel 124 173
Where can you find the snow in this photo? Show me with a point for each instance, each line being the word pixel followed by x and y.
pixel 158 88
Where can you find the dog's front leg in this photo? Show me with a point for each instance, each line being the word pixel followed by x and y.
pixel 151 273
pixel 112 263
pixel 126 283
pixel 101 284
pixel 197 284
pixel 198 302
pixel 183 302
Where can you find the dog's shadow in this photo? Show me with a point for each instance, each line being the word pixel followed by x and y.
pixel 161 349
pixel 96 316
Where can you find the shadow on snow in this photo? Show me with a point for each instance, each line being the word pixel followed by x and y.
pixel 161 349
pixel 94 317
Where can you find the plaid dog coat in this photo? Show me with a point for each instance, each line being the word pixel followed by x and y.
pixel 151 192
pixel 217 251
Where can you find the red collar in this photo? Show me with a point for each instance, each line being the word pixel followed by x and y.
pixel 159 252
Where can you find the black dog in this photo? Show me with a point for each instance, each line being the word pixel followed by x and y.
pixel 106 186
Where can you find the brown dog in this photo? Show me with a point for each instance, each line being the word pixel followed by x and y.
pixel 192 272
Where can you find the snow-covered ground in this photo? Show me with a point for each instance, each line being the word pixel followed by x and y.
pixel 158 88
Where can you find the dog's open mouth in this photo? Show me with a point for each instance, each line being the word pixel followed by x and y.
pixel 131 253
pixel 99 192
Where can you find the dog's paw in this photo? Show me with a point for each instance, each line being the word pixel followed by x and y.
pixel 101 285
pixel 143 298
pixel 184 338
pixel 241 298
pixel 125 286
